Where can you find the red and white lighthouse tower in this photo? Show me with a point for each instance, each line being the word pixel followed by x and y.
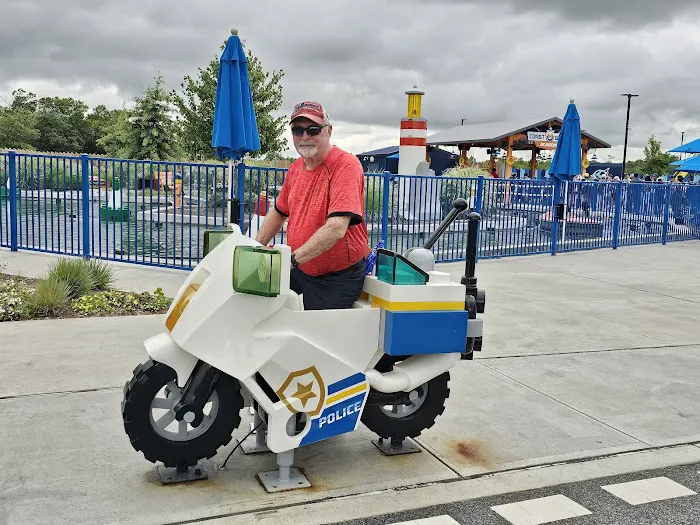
pixel 414 132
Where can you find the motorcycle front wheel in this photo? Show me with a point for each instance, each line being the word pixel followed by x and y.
pixel 150 423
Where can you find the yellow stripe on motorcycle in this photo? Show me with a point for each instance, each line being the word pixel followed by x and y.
pixel 417 306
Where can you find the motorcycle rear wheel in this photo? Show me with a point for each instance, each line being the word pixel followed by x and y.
pixel 151 425
pixel 400 421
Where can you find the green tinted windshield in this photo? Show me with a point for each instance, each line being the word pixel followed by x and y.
pixel 393 268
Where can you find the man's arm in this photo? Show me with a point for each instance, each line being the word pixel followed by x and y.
pixel 270 227
pixel 323 240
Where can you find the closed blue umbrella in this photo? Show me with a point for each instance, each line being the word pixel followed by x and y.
pixel 235 131
pixel 567 158
pixel 566 163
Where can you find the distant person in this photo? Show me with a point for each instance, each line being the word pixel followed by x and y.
pixel 493 173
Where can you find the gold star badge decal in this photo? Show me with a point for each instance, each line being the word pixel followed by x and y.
pixel 304 393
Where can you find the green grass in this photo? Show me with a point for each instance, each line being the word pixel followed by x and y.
pixel 49 296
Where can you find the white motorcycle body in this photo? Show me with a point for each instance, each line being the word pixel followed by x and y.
pixel 320 363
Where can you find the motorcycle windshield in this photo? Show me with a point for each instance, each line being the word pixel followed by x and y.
pixel 257 271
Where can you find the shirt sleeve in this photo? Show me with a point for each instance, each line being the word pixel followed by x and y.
pixel 282 201
pixel 346 191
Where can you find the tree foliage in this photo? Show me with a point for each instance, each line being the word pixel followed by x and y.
pixel 267 99
pixel 161 125
pixel 18 128
pixel 196 112
pixel 197 101
pixel 147 131
pixel 655 160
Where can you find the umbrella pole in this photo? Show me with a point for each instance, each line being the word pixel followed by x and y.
pixel 230 192
pixel 566 212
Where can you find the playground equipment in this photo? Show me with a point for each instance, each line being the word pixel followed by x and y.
pixel 237 336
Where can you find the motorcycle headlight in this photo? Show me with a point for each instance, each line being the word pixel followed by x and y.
pixel 257 270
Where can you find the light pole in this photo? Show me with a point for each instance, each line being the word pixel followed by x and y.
pixel 682 142
pixel 627 129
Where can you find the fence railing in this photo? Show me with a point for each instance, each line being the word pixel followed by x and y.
pixel 155 213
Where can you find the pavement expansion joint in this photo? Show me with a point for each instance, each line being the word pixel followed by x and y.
pixel 558 401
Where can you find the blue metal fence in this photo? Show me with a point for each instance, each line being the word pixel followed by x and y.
pixel 155 213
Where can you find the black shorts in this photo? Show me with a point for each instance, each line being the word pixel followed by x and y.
pixel 331 291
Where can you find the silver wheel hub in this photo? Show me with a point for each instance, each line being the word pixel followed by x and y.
pixel 163 420
pixel 416 397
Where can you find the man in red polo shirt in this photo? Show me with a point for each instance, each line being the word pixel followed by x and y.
pixel 323 198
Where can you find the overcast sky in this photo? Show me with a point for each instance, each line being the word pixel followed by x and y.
pixel 479 60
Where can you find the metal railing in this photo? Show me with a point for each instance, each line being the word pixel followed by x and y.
pixel 155 213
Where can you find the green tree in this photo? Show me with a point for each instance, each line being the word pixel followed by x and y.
pixel 61 124
pixel 147 131
pixel 22 99
pixel 117 140
pixel 655 160
pixel 153 131
pixel 18 128
pixel 99 121
pixel 197 102
pixel 196 112
pixel 267 99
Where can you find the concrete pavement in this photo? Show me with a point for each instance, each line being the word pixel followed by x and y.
pixel 586 355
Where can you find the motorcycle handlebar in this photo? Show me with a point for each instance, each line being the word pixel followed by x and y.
pixel 458 206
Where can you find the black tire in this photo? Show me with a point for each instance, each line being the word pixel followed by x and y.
pixel 149 378
pixel 378 421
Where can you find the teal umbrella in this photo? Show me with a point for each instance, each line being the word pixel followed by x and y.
pixel 235 131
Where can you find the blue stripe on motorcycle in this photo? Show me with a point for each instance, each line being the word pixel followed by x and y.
pixel 345 383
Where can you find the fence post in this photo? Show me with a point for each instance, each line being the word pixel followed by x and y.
pixel 667 206
pixel 478 206
pixel 555 216
pixel 240 192
pixel 479 195
pixel 85 173
pixel 386 182
pixel 13 200
pixel 618 213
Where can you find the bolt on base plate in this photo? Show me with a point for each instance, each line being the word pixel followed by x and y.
pixel 170 475
pixel 271 480
pixel 396 448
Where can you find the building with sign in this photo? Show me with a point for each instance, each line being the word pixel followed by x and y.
pixel 510 137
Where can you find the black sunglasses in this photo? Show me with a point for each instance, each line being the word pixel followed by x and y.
pixel 298 131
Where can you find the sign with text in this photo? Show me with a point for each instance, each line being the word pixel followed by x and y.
pixel 543 139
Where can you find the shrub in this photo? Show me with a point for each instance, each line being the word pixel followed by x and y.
pixel 75 274
pixel 111 302
pixel 102 276
pixel 13 301
pixel 49 296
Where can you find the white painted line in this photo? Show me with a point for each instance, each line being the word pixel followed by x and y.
pixel 437 520
pixel 648 490
pixel 541 510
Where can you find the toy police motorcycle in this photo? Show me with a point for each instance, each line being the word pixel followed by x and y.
pixel 236 336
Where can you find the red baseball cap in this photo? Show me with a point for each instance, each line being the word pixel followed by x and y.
pixel 312 111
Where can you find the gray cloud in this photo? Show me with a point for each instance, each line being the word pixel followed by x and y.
pixel 609 12
pixel 475 59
